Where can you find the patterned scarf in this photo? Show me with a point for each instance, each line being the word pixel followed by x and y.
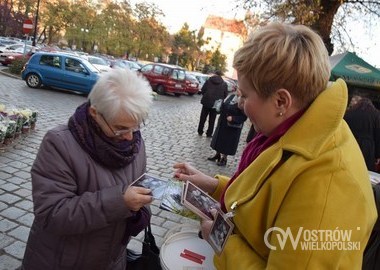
pixel 104 150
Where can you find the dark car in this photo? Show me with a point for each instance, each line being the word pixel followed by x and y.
pixel 165 78
pixel 60 70
pixel 192 85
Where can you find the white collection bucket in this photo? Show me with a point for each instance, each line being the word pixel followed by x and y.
pixel 176 243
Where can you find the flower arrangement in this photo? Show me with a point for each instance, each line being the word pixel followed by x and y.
pixel 154 95
pixel 26 120
pixel 14 121
pixel 3 130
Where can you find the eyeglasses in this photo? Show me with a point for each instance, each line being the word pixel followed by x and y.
pixel 121 132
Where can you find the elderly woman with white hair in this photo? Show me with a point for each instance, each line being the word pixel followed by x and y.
pixel 85 211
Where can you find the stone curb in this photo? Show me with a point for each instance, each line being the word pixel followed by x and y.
pixel 10 75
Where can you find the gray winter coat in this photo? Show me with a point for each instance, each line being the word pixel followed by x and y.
pixel 81 220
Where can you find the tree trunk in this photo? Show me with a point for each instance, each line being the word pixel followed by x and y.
pixel 326 18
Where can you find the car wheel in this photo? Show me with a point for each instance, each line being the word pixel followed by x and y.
pixel 33 80
pixel 160 90
pixel 177 94
pixel 190 94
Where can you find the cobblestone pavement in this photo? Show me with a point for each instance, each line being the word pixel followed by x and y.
pixel 170 135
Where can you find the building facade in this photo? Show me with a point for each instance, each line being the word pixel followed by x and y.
pixel 226 34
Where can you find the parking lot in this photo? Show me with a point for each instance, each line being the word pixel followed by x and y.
pixel 170 135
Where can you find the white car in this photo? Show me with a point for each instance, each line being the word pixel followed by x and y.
pixel 98 62
pixel 202 78
pixel 11 47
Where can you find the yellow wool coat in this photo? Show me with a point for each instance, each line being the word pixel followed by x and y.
pixel 323 187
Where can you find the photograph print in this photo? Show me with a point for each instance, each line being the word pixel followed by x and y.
pixel 220 231
pixel 172 200
pixel 156 185
pixel 199 201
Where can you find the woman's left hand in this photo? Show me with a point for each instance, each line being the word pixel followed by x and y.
pixel 206 225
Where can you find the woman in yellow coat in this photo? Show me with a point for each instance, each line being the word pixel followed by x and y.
pixel 301 196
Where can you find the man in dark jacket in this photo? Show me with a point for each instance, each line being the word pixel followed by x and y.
pixel 364 121
pixel 214 88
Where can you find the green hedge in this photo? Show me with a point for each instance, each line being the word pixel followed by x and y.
pixel 17 65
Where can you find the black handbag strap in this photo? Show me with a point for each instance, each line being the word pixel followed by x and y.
pixel 150 240
pixel 149 258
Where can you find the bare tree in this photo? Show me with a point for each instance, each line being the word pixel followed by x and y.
pixel 318 14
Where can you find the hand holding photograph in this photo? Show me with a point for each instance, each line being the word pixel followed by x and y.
pixel 220 231
pixel 199 201
pixel 156 185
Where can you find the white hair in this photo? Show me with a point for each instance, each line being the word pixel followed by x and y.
pixel 122 90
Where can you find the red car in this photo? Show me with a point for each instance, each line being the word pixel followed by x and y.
pixel 165 78
pixel 192 85
pixel 7 58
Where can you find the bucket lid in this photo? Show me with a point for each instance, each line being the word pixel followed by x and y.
pixel 177 243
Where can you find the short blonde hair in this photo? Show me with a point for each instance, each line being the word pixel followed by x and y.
pixel 122 90
pixel 285 56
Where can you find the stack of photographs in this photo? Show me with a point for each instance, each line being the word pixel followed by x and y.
pixel 201 204
pixel 188 200
pixel 168 191
pixel 172 200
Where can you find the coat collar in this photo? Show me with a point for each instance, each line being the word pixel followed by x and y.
pixel 309 134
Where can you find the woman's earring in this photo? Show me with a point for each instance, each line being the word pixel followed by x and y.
pixel 280 114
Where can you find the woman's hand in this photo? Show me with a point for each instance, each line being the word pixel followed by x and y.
pixel 229 118
pixel 206 225
pixel 185 172
pixel 137 197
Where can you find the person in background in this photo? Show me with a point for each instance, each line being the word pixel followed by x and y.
pixel 227 133
pixel 298 175
pixel 251 134
pixel 85 211
pixel 364 121
pixel 213 89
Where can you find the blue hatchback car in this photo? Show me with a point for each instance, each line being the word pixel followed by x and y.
pixel 60 70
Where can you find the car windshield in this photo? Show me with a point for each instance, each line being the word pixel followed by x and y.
pixel 90 66
pixel 97 61
pixel 120 64
pixel 133 65
pixel 191 78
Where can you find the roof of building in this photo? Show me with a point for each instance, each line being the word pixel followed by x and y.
pixel 226 25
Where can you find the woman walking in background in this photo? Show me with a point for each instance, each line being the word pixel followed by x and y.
pixel 227 134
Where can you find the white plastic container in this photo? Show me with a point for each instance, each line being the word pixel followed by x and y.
pixel 176 243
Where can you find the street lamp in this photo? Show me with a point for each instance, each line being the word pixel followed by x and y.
pixel 83 30
pixel 35 24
